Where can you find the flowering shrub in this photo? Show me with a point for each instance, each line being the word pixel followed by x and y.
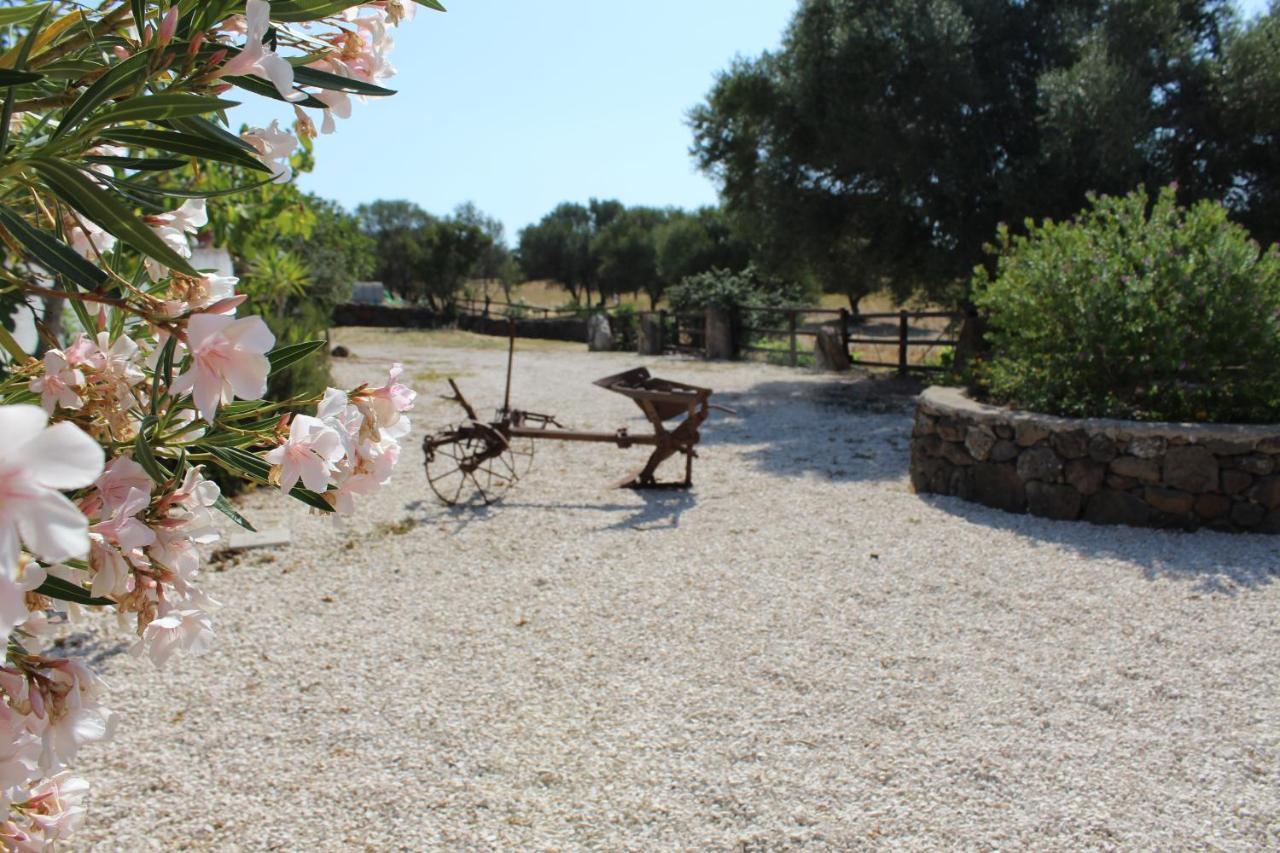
pixel 1137 309
pixel 110 436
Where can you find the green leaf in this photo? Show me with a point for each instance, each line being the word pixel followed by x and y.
pixel 132 70
pixel 62 590
pixel 252 466
pixel 432 4
pixel 282 357
pixel 52 253
pixel 185 143
pixel 293 11
pixel 161 107
pixel 9 77
pixel 91 200
pixel 209 130
pixel 6 115
pixel 223 506
pixel 267 89
pixel 22 14
pixel 128 187
pixel 143 455
pixel 139 164
pixel 304 76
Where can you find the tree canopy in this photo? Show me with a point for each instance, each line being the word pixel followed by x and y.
pixel 886 139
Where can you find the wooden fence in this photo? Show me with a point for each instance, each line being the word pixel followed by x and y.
pixel 779 331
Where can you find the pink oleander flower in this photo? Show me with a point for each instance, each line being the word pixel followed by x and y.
pixel 228 360
pixel 173 228
pixel 60 384
pixel 121 477
pixel 37 462
pixel 274 147
pixel 118 542
pixel 188 630
pixel 309 454
pixel 257 58
pixel 55 810
pixel 88 240
pixel 391 399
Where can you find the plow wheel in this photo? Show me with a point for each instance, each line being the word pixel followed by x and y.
pixel 470 464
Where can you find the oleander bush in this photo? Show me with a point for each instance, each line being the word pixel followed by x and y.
pixel 1137 308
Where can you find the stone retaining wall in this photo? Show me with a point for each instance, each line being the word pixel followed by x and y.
pixel 1106 471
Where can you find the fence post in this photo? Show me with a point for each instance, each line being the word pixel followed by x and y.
pixel 791 330
pixel 844 332
pixel 904 328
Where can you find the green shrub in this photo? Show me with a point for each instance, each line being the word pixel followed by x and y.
pixel 1135 310
pixel 725 289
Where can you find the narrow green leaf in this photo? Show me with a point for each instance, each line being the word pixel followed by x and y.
pixel 52 253
pixel 223 506
pixel 22 14
pixel 253 467
pixel 432 4
pixel 6 116
pixel 185 143
pixel 267 89
pixel 139 164
pixel 161 107
pixel 210 130
pixel 132 70
pixel 62 590
pixel 9 77
pixel 305 76
pixel 143 455
pixel 97 204
pixel 282 357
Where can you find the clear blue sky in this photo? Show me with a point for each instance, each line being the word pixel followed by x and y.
pixel 519 105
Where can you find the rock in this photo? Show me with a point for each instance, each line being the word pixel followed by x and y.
pixel 718 336
pixel 1192 469
pixel 925 425
pixel 1267 492
pixel 1171 501
pixel 979 440
pixel 599 333
pixel 340 352
pixel 649 335
pixel 1257 463
pixel 1004 451
pixel 1053 501
pixel 1039 463
pixel 1148 447
pixel 1224 447
pixel 1086 475
pixel 274 538
pixel 1028 433
pixel 1120 483
pixel 1004 431
pixel 1112 507
pixel 931 475
pixel 1101 448
pixel 951 429
pixel 1247 515
pixel 998 486
pixel 1269 445
pixel 1270 524
pixel 1235 482
pixel 1073 444
pixel 829 351
pixel 956 454
pixel 1210 507
pixel 1143 470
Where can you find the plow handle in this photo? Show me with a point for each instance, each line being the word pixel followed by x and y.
pixel 461 400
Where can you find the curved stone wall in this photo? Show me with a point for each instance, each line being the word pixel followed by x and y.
pixel 1225 477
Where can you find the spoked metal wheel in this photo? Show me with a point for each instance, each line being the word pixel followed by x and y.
pixel 522 452
pixel 471 464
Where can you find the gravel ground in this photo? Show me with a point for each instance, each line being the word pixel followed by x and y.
pixel 800 653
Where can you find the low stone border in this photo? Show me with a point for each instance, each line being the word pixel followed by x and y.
pixel 1105 471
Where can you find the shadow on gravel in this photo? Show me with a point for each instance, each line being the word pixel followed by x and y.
pixel 661 510
pixel 848 430
pixel 1215 562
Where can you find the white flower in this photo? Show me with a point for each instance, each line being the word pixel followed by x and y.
pixel 60 383
pixel 309 454
pixel 36 462
pixel 173 228
pixel 228 359
pixel 256 58
pixel 274 147
pixel 188 630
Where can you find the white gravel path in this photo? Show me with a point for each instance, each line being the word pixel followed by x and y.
pixel 801 653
